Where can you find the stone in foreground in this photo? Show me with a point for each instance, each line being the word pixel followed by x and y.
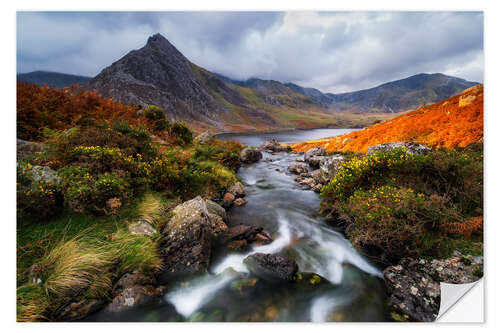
pixel 271 267
pixel 187 239
pixel 250 155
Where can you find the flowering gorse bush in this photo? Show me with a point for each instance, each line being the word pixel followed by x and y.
pixel 399 203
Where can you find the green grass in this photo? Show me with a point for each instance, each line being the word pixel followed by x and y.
pixel 80 255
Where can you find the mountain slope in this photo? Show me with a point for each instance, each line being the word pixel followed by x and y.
pixel 457 121
pixel 57 80
pixel 158 74
pixel 392 97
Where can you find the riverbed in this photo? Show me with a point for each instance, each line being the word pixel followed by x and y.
pixel 351 287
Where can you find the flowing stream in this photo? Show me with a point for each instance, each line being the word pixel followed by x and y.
pixel 352 289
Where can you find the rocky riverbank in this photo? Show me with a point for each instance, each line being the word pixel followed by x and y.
pixel 413 284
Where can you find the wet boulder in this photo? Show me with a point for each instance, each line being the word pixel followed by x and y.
pixel 250 155
pixel 239 245
pixel 317 151
pixel 411 147
pixel 297 168
pixel 273 146
pixel 271 267
pixel 228 199
pixel 239 202
pixel 307 182
pixel 187 239
pixel 237 189
pixel 242 231
pixel 134 296
pixel 215 208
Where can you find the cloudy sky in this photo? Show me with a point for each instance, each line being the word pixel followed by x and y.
pixel 332 51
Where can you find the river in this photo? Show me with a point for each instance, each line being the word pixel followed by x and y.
pixel 354 288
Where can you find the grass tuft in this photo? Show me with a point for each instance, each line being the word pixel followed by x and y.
pixel 134 253
pixel 74 265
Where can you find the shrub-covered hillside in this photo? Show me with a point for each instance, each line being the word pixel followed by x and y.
pixel 395 204
pixel 457 121
pixel 100 166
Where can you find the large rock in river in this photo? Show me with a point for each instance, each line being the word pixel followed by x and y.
pixel 250 155
pixel 187 240
pixel 271 267
pixel 273 146
pixel 317 151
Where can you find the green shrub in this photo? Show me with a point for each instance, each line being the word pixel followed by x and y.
pixel 226 153
pixel 84 192
pixel 397 221
pixel 157 117
pixel 180 134
pixel 450 187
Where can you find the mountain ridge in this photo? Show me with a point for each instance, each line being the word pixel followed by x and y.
pixel 159 74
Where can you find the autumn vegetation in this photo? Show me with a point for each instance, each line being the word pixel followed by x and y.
pixel 455 122
pixel 115 164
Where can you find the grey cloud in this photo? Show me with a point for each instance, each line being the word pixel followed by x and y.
pixel 331 51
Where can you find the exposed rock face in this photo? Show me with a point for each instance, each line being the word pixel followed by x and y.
pixel 271 267
pixel 237 189
pixel 315 161
pixel 204 138
pixel 250 155
pixel 411 147
pixel 330 164
pixel 318 151
pixel 26 148
pixel 215 208
pixel 318 177
pixel 158 74
pixel 297 168
pixel 79 309
pixel 45 174
pixel 186 245
pixel 217 224
pixel 272 146
pixel 141 228
pixel 414 284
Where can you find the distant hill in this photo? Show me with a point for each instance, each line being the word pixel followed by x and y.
pixel 57 80
pixel 456 121
pixel 392 97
